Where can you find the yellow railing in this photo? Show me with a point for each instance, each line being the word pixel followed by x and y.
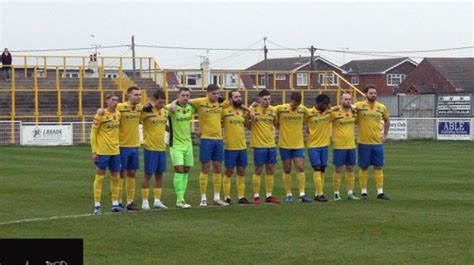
pixel 56 69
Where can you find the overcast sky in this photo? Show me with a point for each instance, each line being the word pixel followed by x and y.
pixel 355 26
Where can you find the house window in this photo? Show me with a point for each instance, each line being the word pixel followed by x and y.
pixel 216 79
pixel 230 79
pixel 280 77
pixel 301 79
pixel 355 79
pixel 191 80
pixel 328 79
pixel 262 81
pixel 395 79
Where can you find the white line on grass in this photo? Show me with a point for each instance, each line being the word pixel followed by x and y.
pixel 39 219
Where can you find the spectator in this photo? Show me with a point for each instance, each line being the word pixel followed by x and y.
pixel 6 63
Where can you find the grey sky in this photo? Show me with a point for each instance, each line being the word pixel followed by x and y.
pixel 366 26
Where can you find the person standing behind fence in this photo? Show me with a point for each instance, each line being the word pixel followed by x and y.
pixel 6 63
pixel 130 142
pixel 370 141
pixel 104 139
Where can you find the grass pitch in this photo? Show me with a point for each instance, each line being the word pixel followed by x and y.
pixel 430 219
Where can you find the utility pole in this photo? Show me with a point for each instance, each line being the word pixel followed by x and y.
pixel 265 52
pixel 312 50
pixel 133 56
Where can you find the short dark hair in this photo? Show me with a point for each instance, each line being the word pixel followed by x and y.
pixel 212 87
pixel 263 93
pixel 295 96
pixel 130 89
pixel 369 86
pixel 183 89
pixel 159 94
pixel 323 98
pixel 109 95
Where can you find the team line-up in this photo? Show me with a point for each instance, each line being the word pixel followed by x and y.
pixel 115 145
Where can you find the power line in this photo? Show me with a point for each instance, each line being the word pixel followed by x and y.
pixel 395 52
pixel 194 48
pixel 73 49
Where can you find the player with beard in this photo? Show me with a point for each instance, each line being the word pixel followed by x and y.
pixel 370 140
pixel 235 147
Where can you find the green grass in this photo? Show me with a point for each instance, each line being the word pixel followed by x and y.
pixel 430 219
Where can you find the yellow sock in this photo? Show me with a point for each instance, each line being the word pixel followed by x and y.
pixel 157 193
pixel 227 185
pixel 363 178
pixel 301 180
pixel 130 186
pixel 145 192
pixel 241 186
pixel 217 180
pixel 256 183
pixel 323 174
pixel 378 173
pixel 98 181
pixel 115 182
pixel 318 184
pixel 287 183
pixel 203 183
pixel 269 184
pixel 120 187
pixel 350 181
pixel 336 181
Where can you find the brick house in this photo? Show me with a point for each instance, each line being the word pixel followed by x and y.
pixel 286 73
pixel 385 74
pixel 439 76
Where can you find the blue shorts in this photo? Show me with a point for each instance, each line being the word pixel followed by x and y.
pixel 318 156
pixel 291 153
pixel 129 157
pixel 264 156
pixel 343 157
pixel 112 162
pixel 155 161
pixel 370 154
pixel 235 158
pixel 211 150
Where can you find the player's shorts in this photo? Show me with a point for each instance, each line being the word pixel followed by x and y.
pixel 318 156
pixel 291 153
pixel 264 156
pixel 108 161
pixel 211 150
pixel 182 156
pixel 370 154
pixel 235 158
pixel 343 157
pixel 155 161
pixel 129 158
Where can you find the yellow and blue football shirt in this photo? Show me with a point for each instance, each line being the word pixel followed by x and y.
pixel 105 133
pixel 291 126
pixel 154 127
pixel 262 129
pixel 343 128
pixel 209 115
pixel 234 128
pixel 129 124
pixel 319 128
